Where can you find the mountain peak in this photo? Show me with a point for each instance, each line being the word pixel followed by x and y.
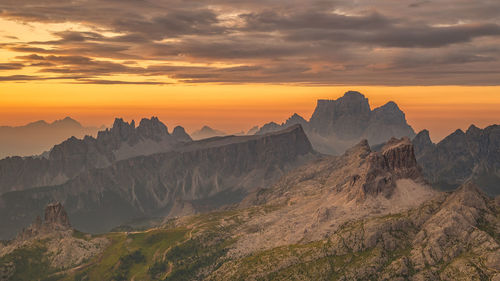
pixel 55 219
pixel 152 129
pixel 179 134
pixel 206 132
pixel 399 156
pixel 354 95
pixel 473 130
pixel 56 216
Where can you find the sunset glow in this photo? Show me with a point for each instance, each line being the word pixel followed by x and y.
pixel 236 66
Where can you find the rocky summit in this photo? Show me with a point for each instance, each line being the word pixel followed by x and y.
pixel 195 177
pixel 460 157
pixel 74 156
pixel 338 124
pixel 363 215
pixel 55 219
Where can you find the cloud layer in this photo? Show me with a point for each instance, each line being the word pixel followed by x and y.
pixel 364 42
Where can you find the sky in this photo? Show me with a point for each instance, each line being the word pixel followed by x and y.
pixel 235 64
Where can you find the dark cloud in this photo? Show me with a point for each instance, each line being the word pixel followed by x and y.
pixel 262 41
pixel 117 82
pixel 11 66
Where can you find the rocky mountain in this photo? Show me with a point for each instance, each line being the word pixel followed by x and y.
pixel 37 137
pixel 462 156
pixel 179 134
pixel 55 219
pixel 51 244
pixel 316 199
pixel 364 215
pixel 338 124
pixel 196 176
pixel 207 132
pixel 74 156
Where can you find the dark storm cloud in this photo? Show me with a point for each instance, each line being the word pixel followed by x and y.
pixel 270 41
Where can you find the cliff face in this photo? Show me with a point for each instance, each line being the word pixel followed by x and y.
pixel 314 200
pixel 206 174
pixel 73 156
pixel 339 124
pixel 346 117
pixel 448 237
pixel 472 155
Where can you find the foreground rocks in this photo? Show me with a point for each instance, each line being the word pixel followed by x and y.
pixel 52 240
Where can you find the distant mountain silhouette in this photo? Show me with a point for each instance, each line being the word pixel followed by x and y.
pixel 207 132
pixel 74 156
pixel 193 177
pixel 37 137
pixel 339 124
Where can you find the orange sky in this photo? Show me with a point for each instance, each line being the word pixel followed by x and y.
pixel 441 109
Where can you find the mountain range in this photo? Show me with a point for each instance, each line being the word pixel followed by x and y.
pixel 364 215
pixel 207 132
pixel 351 194
pixel 338 124
pixel 74 156
pixel 462 156
pixel 38 137
pixel 190 178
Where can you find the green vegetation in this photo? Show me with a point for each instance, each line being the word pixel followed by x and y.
pixel 130 255
pixel 28 263
pixel 189 258
pixel 126 263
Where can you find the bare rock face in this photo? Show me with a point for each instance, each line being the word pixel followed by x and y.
pixel 314 200
pixel 460 157
pixel 395 161
pixel 74 156
pixel 56 216
pixel 56 219
pixel 345 117
pixel 450 236
pixel 337 125
pixel 205 174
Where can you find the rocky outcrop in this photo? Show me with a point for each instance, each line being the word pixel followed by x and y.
pixel 207 174
pixel 58 244
pixel 395 161
pixel 462 156
pixel 339 124
pixel 55 219
pixel 446 237
pixel 74 156
pixel 56 216
pixel 314 200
